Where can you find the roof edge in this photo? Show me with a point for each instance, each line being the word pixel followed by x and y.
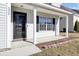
pixel 51 7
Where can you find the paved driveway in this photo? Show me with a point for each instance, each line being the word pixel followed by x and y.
pixel 21 49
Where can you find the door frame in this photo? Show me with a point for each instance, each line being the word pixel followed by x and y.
pixel 17 12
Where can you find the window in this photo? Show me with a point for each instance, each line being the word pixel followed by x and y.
pixel 49 24
pixel 45 24
pixel 42 22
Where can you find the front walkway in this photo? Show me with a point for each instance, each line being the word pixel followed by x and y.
pixel 21 48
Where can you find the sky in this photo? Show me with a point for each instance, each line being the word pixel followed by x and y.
pixel 72 5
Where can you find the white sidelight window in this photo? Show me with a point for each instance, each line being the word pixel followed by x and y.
pixel 45 24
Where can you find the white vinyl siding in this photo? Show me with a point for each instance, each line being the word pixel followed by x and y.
pixel 3 25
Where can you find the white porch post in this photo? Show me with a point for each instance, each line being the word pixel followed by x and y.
pixel 66 26
pixel 34 27
pixel 57 24
pixel 9 36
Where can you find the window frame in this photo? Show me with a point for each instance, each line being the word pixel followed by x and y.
pixel 49 24
pixel 39 28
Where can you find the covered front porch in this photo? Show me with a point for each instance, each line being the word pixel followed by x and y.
pixel 43 22
pixel 48 30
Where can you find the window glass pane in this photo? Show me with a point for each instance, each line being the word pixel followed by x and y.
pixel 42 22
pixel 49 21
pixel 49 24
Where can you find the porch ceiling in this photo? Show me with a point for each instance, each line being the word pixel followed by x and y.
pixel 39 9
pixel 50 12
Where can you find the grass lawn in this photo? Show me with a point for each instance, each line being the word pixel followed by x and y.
pixel 69 49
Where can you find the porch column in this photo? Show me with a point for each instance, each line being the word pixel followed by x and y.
pixel 66 26
pixel 34 26
pixel 57 25
pixel 9 26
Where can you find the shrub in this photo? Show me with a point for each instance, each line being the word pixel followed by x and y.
pixel 76 27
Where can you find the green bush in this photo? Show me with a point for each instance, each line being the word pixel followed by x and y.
pixel 76 27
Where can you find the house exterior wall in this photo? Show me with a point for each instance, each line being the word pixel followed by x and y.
pixel 62 23
pixel 5 25
pixel 70 23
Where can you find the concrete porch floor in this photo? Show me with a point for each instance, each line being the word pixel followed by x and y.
pixel 24 48
pixel 49 38
pixel 21 48
pixel 20 44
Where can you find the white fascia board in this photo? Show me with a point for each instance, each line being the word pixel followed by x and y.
pixel 53 8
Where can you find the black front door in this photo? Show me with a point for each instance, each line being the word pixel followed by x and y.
pixel 19 26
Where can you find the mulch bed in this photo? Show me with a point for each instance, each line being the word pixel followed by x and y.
pixel 55 43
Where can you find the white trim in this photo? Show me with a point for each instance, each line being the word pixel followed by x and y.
pixel 34 27
pixel 66 26
pixel 53 8
pixel 46 24
pixel 43 8
pixel 57 26
pixel 9 37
